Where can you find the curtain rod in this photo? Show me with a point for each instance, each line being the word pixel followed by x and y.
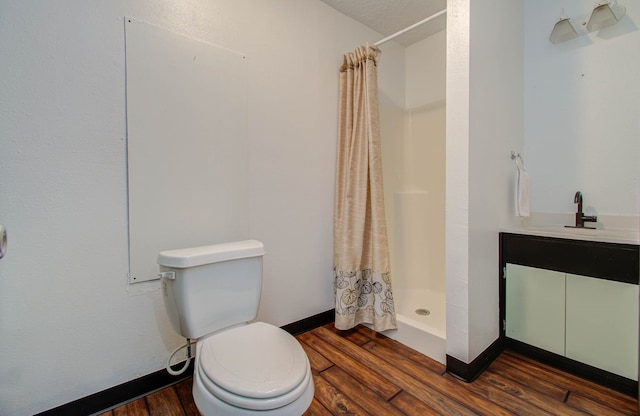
pixel 413 26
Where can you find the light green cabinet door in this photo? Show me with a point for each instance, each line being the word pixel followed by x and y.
pixel 535 301
pixel 602 324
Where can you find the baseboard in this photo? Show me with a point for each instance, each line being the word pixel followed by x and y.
pixel 160 379
pixel 312 322
pixel 469 372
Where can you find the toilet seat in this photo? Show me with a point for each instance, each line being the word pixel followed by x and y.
pixel 256 366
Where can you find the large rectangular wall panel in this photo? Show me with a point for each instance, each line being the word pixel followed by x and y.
pixel 186 143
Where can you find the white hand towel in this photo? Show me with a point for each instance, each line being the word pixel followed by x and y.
pixel 522 193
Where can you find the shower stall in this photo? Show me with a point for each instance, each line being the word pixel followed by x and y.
pixel 413 148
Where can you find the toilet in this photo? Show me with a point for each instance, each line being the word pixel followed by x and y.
pixel 211 294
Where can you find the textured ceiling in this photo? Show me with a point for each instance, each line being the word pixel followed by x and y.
pixel 390 16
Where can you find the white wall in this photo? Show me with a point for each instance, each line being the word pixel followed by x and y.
pixel 484 122
pixel 70 325
pixel 496 123
pixel 457 178
pixel 582 106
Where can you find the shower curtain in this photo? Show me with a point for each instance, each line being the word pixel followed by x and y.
pixel 362 279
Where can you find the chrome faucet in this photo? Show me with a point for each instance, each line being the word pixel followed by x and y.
pixel 580 217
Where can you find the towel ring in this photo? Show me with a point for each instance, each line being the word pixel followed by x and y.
pixel 517 157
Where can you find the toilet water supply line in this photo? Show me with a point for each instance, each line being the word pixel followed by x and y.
pixel 186 364
pixel 172 276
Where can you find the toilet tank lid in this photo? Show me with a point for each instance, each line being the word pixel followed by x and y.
pixel 197 256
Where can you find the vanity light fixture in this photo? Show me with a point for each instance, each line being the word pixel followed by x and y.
pixel 605 14
pixel 562 31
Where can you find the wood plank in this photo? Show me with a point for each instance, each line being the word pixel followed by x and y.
pixel 508 403
pixel 412 406
pixel 521 392
pixel 317 361
pixel 438 401
pixel 365 375
pixel 134 408
pixel 109 413
pixel 585 388
pixel 500 369
pixel 449 387
pixel 353 388
pixel 317 409
pixel 593 407
pixel 403 350
pixel 165 402
pixel 184 390
pixel 336 402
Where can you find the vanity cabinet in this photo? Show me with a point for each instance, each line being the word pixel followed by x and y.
pixel 573 304
pixel 590 320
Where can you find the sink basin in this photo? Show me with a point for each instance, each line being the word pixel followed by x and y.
pixel 612 235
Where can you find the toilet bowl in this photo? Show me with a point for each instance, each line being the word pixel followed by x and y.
pixel 211 295
pixel 253 369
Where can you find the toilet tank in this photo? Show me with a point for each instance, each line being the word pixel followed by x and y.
pixel 211 287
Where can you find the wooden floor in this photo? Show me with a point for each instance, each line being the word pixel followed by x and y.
pixel 362 373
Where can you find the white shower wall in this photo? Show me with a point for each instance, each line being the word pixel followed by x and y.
pixel 413 139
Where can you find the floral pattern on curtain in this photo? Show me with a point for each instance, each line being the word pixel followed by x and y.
pixel 362 280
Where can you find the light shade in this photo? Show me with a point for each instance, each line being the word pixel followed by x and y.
pixel 605 15
pixel 563 30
